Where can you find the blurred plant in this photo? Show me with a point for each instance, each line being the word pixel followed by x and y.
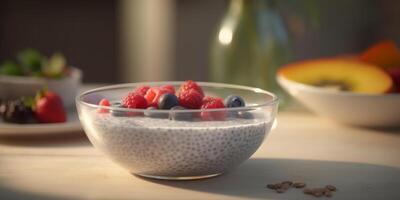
pixel 32 63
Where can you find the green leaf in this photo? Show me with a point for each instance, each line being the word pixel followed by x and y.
pixel 54 66
pixel 30 60
pixel 10 68
pixel 29 102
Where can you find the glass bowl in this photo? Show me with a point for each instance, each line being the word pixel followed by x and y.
pixel 178 144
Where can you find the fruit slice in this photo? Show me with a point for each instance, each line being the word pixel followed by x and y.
pixel 395 73
pixel 384 54
pixel 339 74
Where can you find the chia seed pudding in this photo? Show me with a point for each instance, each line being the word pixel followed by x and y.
pixel 169 148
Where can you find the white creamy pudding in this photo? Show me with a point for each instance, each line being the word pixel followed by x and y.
pixel 169 148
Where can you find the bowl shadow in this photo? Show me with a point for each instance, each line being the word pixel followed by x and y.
pixel 353 180
pixel 71 139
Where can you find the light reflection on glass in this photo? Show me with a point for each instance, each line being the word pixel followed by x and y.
pixel 225 35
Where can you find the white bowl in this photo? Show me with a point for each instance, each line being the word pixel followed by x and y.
pixel 367 110
pixel 18 86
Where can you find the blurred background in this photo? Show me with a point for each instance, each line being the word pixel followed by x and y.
pixel 116 41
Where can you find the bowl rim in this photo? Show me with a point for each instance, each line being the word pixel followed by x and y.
pixel 274 101
pixel 285 81
pixel 75 72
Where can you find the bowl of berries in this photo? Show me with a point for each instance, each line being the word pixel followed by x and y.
pixel 31 71
pixel 177 130
pixel 43 113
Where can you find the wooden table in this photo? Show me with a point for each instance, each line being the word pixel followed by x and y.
pixel 362 163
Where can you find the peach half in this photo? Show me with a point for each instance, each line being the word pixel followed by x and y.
pixel 384 54
pixel 339 74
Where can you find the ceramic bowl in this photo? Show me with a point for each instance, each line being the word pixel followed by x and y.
pixel 368 110
pixel 17 86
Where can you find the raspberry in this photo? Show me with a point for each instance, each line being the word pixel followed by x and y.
pixel 169 88
pixel 142 89
pixel 133 100
pixel 190 99
pixel 189 85
pixel 104 102
pixel 153 94
pixel 211 103
pixel 207 99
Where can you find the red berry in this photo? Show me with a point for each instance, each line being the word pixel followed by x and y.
pixel 104 102
pixel 207 99
pixel 212 103
pixel 150 94
pixel 133 100
pixel 142 89
pixel 169 88
pixel 191 85
pixel 49 108
pixel 190 99
pixel 153 94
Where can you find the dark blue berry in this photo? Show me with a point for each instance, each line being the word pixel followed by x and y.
pixel 181 116
pixel 15 111
pixel 234 101
pixel 167 101
pixel 150 113
pixel 245 115
pixel 116 104
pixel 117 113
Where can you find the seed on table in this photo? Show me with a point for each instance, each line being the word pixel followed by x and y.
pixel 307 191
pixel 328 193
pixel 299 184
pixel 319 190
pixel 317 194
pixel 285 186
pixel 271 186
pixel 331 187
pixel 287 182
pixel 280 190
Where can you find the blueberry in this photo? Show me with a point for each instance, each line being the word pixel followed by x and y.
pixel 149 113
pixel 15 111
pixel 116 104
pixel 245 115
pixel 167 101
pixel 117 113
pixel 234 101
pixel 181 116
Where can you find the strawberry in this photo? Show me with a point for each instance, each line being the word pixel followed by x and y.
pixel 49 108
pixel 191 85
pixel 212 103
pixel 190 99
